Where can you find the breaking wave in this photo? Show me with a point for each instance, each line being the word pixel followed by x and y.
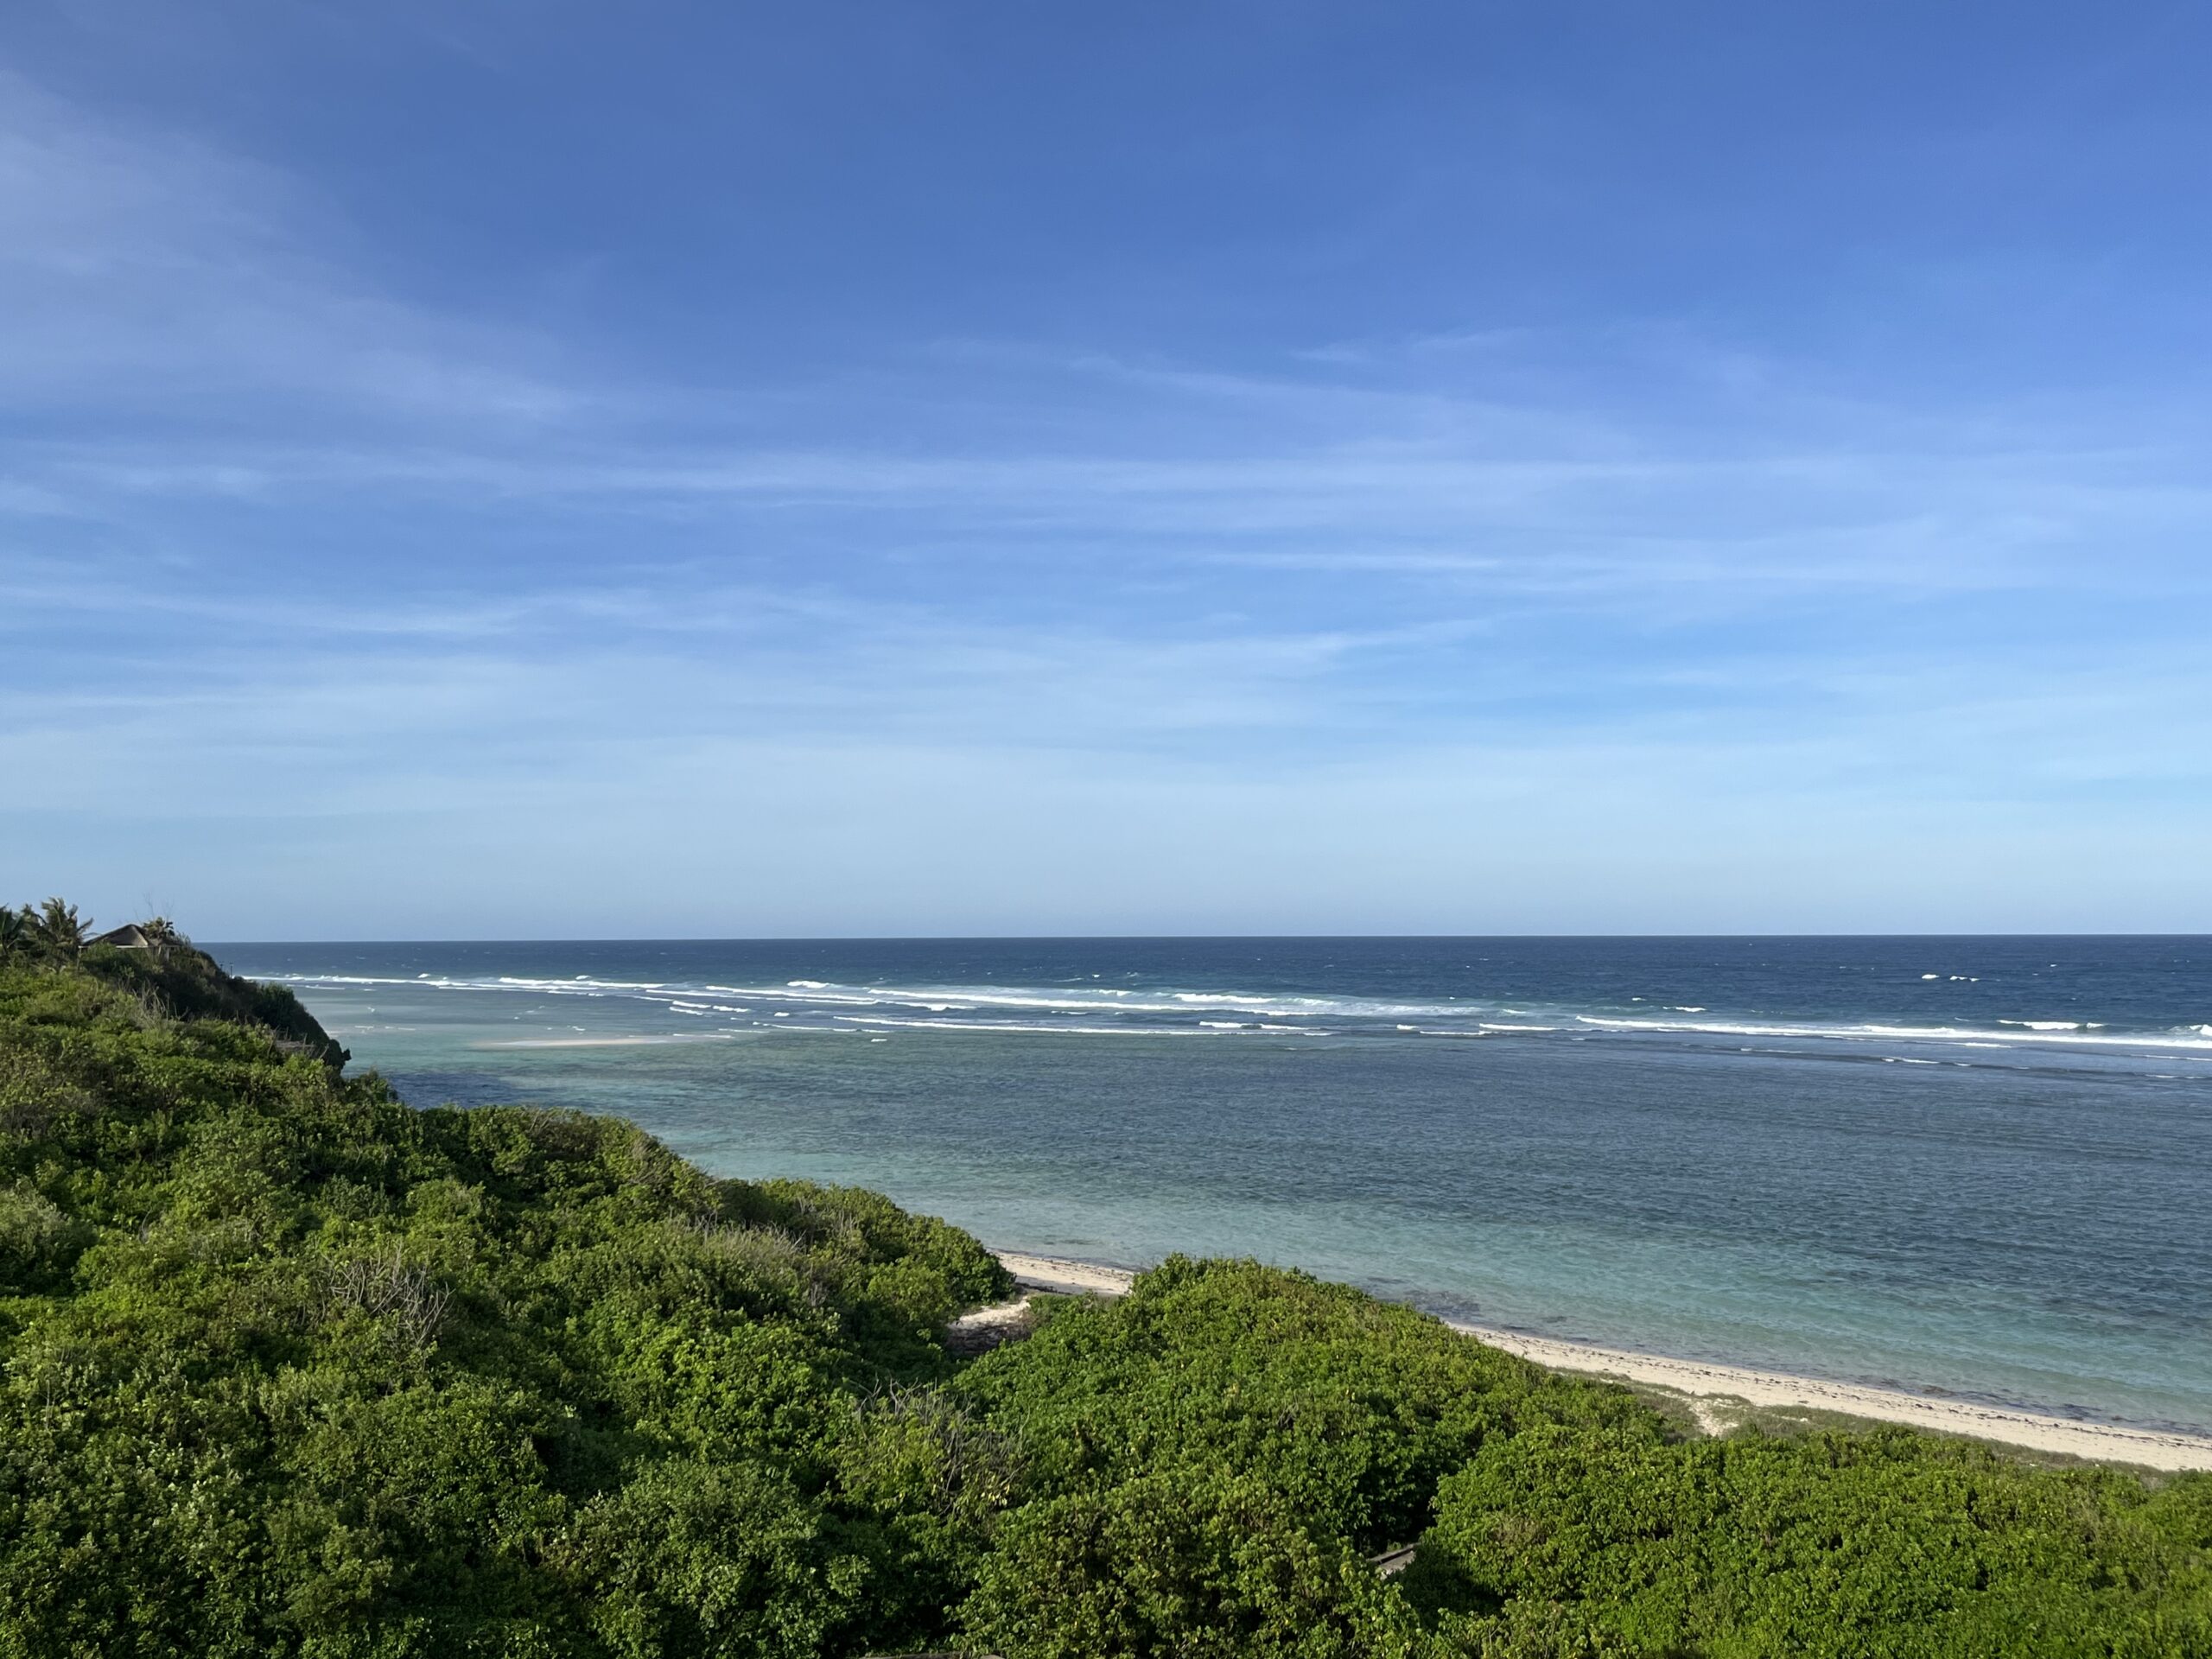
pixel 1160 1011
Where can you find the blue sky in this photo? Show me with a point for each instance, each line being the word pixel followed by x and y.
pixel 489 469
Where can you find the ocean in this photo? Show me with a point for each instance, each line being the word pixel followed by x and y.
pixel 1980 1166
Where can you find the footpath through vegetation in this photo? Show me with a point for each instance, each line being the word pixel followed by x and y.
pixel 292 1368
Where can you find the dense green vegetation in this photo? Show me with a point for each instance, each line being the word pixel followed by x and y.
pixel 1889 1542
pixel 293 1367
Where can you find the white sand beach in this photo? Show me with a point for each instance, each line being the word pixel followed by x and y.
pixel 1713 1389
pixel 1064 1278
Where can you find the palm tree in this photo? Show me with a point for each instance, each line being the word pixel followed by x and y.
pixel 162 936
pixel 58 931
pixel 15 930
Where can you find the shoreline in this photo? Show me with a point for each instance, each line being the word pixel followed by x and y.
pixel 1709 1388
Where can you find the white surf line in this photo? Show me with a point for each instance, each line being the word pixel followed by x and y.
pixel 1703 1382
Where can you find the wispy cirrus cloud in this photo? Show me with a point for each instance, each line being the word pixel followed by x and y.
pixel 218 320
pixel 144 272
pixel 280 544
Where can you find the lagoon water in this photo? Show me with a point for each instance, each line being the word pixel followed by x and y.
pixel 1979 1166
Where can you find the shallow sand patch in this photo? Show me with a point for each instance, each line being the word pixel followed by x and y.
pixel 610 1042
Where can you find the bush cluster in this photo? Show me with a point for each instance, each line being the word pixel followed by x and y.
pixel 292 1368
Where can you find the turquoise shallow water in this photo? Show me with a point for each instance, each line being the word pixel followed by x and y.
pixel 1977 1166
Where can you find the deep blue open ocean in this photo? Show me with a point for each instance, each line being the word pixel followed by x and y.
pixel 1981 1165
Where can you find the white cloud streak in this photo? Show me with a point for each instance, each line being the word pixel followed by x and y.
pixel 1357 639
pixel 139 271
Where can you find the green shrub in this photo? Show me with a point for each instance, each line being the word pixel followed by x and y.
pixel 292 1368
pixel 1883 1543
pixel 1352 1409
pixel 1206 1566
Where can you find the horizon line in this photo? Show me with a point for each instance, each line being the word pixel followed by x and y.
pixel 1032 938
